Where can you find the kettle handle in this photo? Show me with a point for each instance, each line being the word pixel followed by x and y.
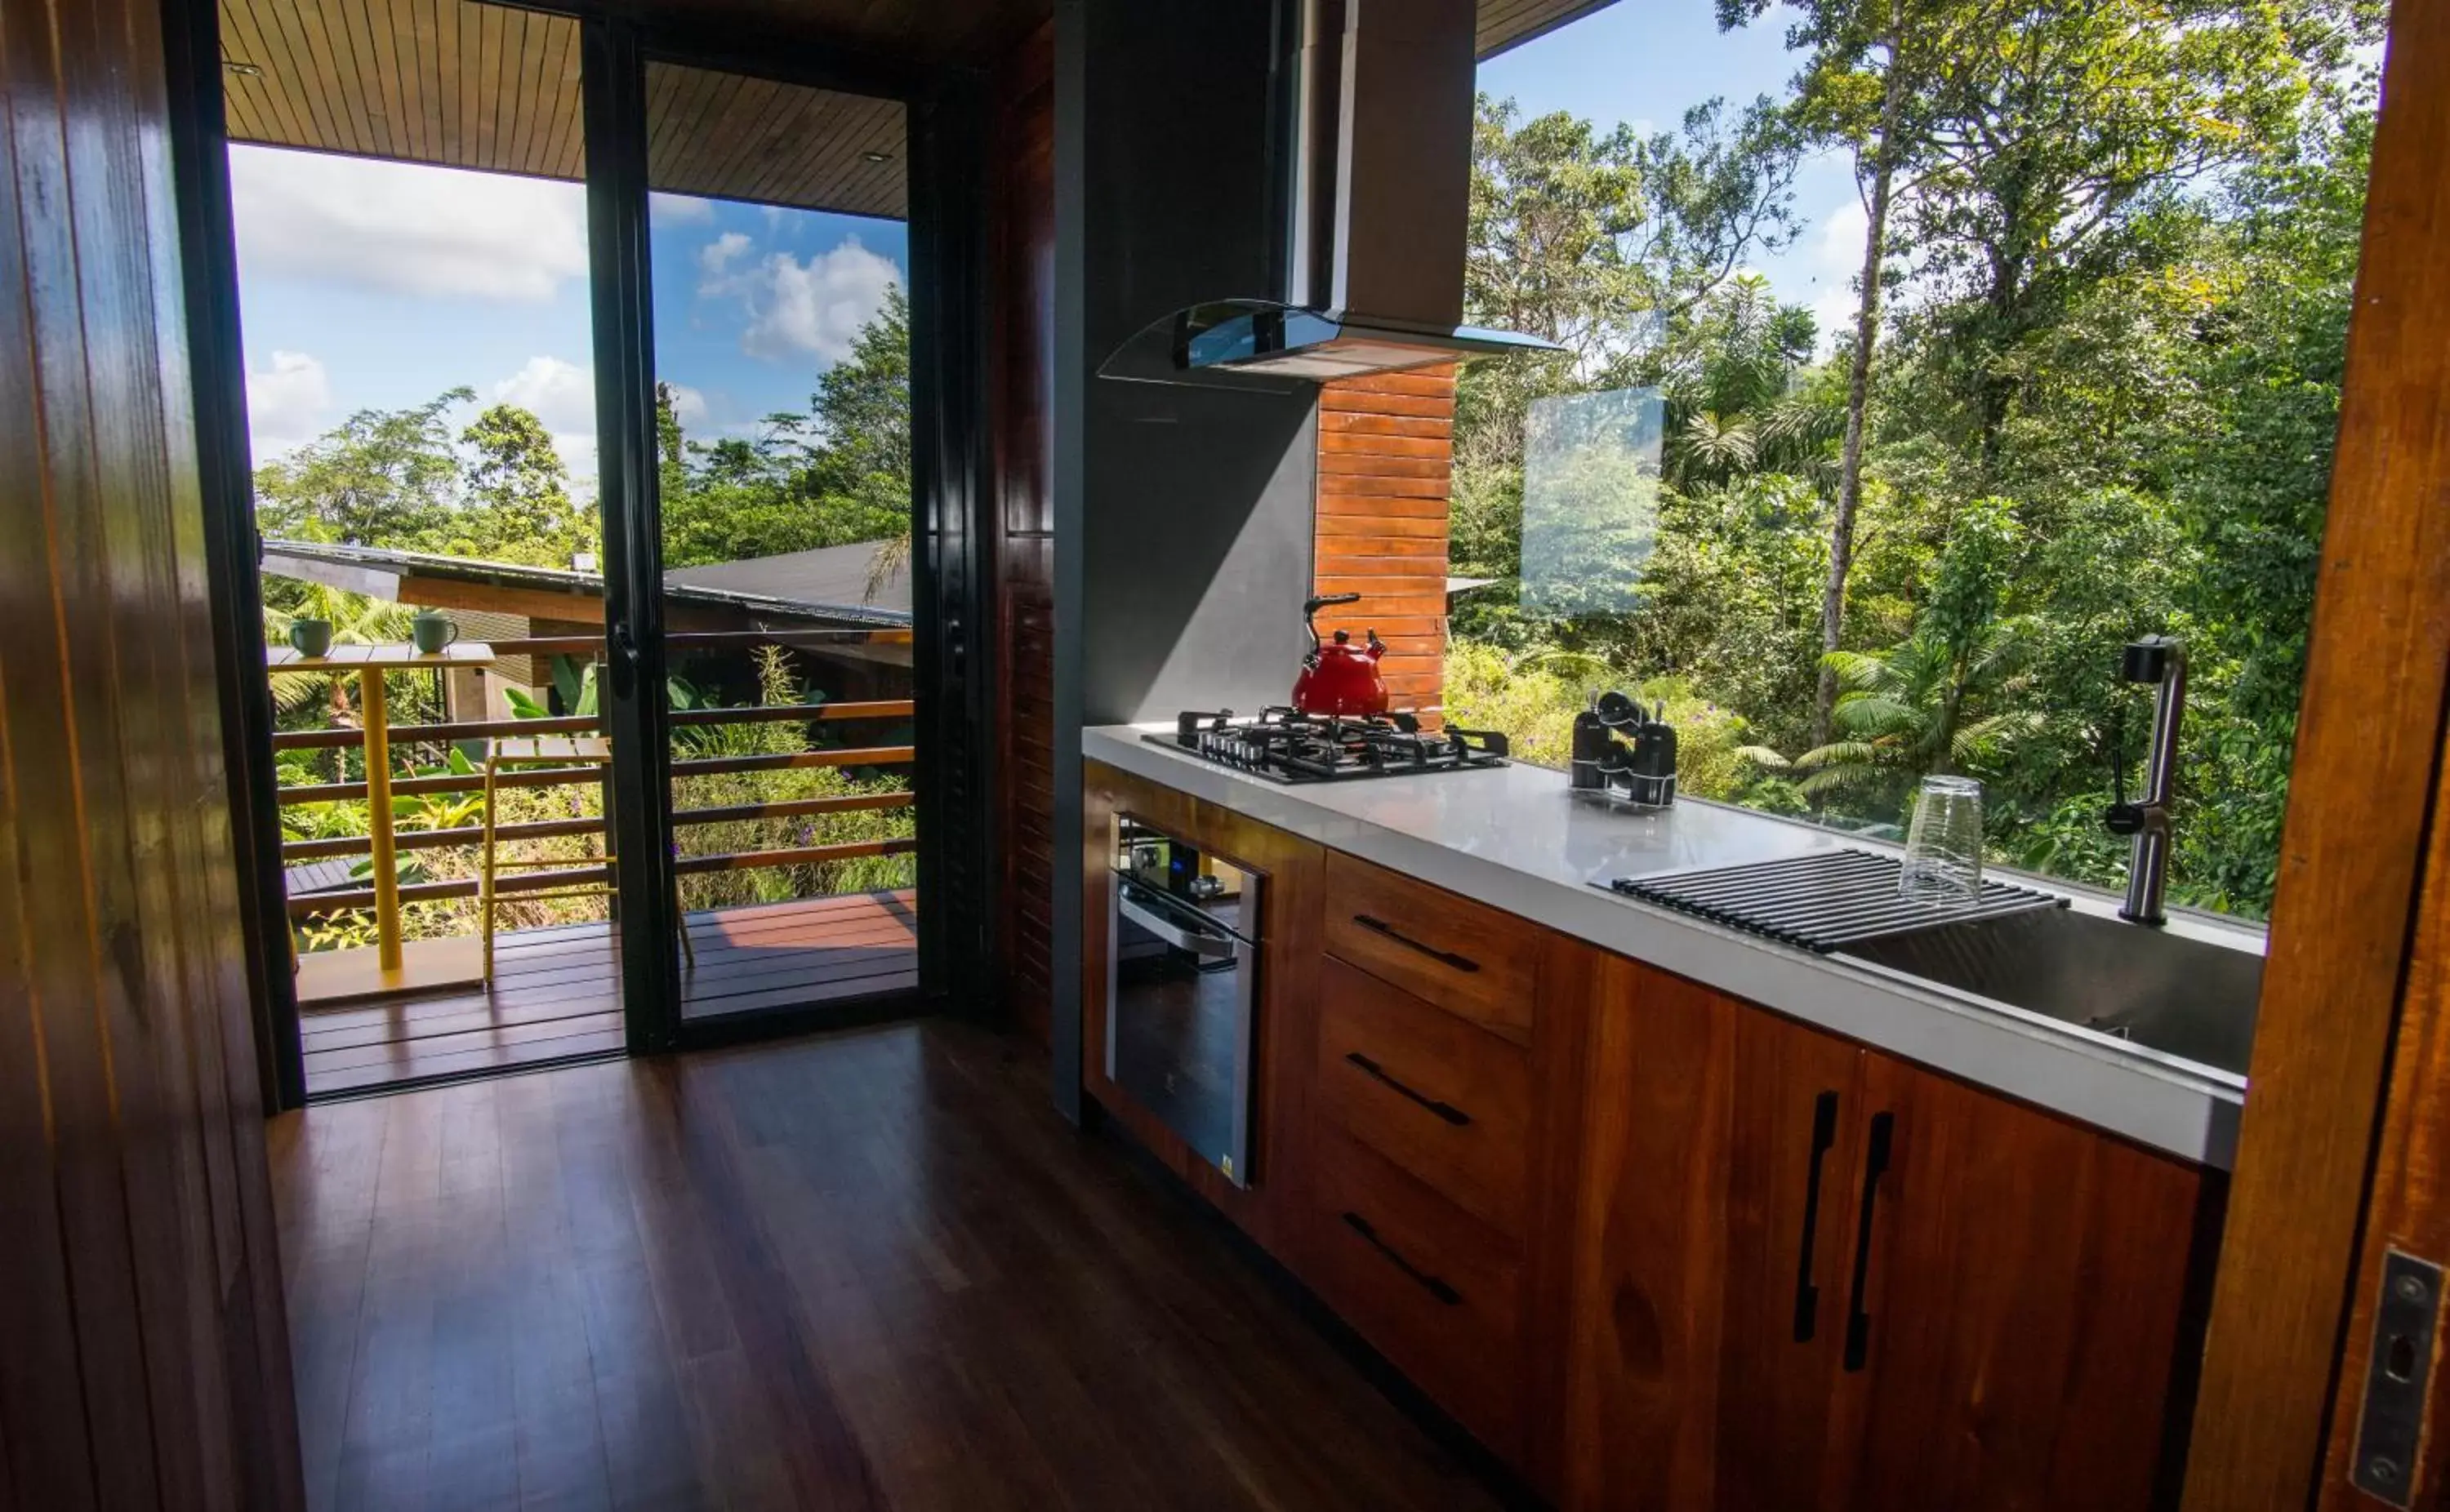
pixel 1310 614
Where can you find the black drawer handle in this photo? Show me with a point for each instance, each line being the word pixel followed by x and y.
pixel 1876 1164
pixel 1444 1110
pixel 1429 1283
pixel 1807 1296
pixel 1380 926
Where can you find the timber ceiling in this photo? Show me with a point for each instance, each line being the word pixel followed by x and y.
pixel 474 85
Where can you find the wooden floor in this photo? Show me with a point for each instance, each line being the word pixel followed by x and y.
pixel 557 992
pixel 866 1269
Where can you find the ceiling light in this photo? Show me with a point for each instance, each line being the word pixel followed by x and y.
pixel 874 157
pixel 245 70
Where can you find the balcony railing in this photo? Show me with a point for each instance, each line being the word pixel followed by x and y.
pixel 445 735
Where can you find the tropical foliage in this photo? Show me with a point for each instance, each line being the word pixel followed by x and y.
pixel 498 490
pixel 2089 392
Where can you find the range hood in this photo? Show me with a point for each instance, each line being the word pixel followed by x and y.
pixel 1375 211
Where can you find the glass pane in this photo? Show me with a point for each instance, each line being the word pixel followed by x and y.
pixel 411 236
pixel 1852 543
pixel 782 335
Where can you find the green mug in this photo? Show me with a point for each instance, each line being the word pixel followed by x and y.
pixel 432 632
pixel 310 637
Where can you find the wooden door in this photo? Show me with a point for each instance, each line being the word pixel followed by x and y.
pixel 1648 1256
pixel 1795 1141
pixel 2012 1309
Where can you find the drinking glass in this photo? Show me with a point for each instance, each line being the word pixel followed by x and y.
pixel 1944 847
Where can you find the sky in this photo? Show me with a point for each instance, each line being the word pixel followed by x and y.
pixel 1645 62
pixel 372 285
pixel 365 284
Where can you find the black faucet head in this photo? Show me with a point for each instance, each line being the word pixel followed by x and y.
pixel 2149 660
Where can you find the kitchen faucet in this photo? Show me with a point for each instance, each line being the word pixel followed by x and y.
pixel 2154 660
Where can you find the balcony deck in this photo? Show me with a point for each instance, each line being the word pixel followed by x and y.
pixel 557 992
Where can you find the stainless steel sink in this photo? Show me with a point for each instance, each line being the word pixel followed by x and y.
pixel 2178 995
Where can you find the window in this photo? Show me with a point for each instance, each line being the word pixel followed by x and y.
pixel 2093 398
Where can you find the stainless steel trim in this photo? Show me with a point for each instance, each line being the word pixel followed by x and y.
pixel 1216 947
pixel 2147 865
pixel 1233 1161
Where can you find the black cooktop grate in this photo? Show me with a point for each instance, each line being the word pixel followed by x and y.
pixel 1823 901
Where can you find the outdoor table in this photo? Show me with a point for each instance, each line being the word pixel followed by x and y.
pixel 434 962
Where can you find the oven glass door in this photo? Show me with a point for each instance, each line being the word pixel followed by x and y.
pixel 1181 1002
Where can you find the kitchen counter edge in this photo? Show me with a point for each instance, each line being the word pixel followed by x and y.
pixel 2152 1101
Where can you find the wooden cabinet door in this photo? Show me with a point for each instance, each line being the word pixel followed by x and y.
pixel 1648 1258
pixel 2011 1340
pixel 1793 1148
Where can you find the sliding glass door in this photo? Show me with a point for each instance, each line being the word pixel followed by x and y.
pixel 779 258
pixel 580 379
pixel 409 211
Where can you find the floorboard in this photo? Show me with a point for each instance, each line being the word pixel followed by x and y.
pixel 870 1269
pixel 556 991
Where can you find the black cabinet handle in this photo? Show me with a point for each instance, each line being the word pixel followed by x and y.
pixel 1380 926
pixel 1429 1283
pixel 1444 1110
pixel 1876 1164
pixel 1807 1296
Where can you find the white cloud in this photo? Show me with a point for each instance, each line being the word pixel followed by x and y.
pixel 713 257
pixel 406 227
pixel 286 404
pixel 562 395
pixel 688 405
pixel 673 208
pixel 813 309
pixel 1836 261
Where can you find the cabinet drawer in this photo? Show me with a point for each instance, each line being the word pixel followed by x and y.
pixel 1438 1096
pixel 1431 1288
pixel 1473 961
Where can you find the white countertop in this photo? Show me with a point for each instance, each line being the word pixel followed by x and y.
pixel 1518 838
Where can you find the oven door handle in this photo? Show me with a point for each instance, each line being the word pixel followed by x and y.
pixel 1213 947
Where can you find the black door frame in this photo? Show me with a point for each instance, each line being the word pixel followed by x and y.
pixel 952 497
pixel 949 400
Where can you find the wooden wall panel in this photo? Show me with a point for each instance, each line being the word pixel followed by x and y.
pixel 2368 751
pixel 143 1359
pixel 1509 23
pixel 725 136
pixel 1022 360
pixel 1384 446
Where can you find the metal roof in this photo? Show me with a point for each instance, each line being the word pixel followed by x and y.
pixel 788 590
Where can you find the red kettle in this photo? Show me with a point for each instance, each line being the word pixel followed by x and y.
pixel 1340 678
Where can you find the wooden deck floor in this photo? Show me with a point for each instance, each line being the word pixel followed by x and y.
pixel 557 992
pixel 853 1272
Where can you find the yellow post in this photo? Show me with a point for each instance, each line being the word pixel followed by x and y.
pixel 485 908
pixel 378 718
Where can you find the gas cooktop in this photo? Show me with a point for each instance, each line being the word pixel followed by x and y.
pixel 1285 745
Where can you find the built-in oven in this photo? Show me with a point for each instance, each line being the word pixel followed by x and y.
pixel 1182 946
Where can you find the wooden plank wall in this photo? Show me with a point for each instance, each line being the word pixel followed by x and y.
pixel 144 1354
pixel 1022 360
pixel 1384 460
pixel 2347 1011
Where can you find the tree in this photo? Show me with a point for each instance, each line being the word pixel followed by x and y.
pixel 381 477
pixel 1867 62
pixel 516 493
pixel 836 474
pixel 1911 710
pixel 2059 153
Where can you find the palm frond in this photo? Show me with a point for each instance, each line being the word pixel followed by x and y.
pixel 1841 753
